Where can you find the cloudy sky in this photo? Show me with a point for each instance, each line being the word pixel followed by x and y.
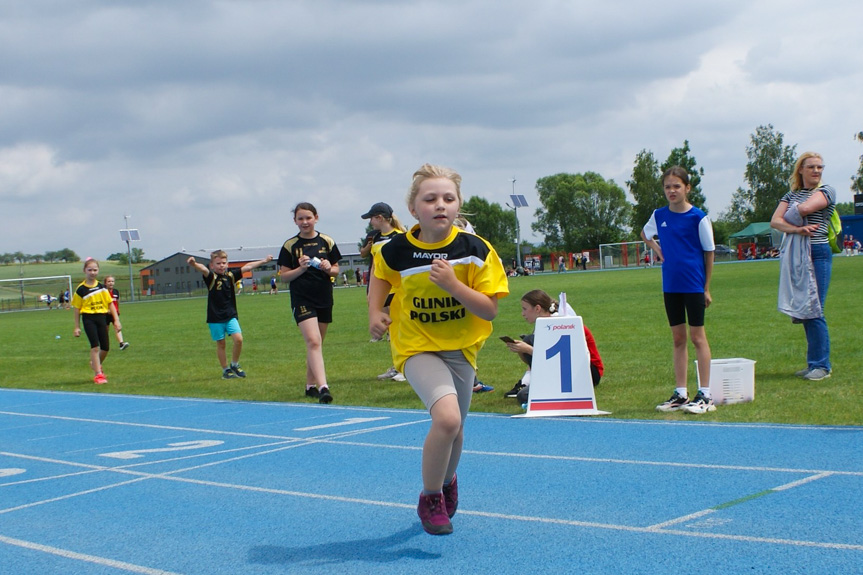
pixel 206 121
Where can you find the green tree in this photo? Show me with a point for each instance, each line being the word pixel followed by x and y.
pixel 857 179
pixel 681 157
pixel 646 183
pixel 769 167
pixel 646 188
pixel 68 255
pixel 581 211
pixel 722 230
pixel 845 208
pixel 137 257
pixel 492 222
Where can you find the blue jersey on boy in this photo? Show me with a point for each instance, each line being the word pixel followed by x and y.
pixel 683 237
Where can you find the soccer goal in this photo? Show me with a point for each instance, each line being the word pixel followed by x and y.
pixel 624 255
pixel 35 293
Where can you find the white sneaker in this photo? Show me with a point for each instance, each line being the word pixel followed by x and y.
pixel 399 377
pixel 699 405
pixel 389 374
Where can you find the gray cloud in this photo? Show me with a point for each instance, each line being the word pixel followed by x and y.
pixel 195 114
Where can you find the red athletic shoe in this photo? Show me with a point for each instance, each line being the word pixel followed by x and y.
pixel 100 379
pixel 432 512
pixel 450 496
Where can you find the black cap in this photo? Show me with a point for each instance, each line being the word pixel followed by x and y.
pixel 379 209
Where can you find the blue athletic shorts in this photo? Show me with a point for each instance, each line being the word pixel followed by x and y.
pixel 219 330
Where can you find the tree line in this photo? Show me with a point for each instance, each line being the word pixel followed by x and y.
pixel 64 255
pixel 68 256
pixel 581 211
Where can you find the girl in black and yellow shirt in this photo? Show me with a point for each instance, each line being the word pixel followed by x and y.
pixel 446 283
pixel 310 261
pixel 91 302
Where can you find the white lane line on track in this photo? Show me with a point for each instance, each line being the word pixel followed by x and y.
pixel 681 464
pixel 142 476
pixel 67 554
pixel 738 501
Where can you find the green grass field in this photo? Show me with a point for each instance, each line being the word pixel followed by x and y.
pixel 172 354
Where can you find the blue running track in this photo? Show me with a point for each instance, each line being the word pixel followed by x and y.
pixel 108 484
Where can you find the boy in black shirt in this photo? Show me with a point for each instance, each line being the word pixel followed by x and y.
pixel 222 306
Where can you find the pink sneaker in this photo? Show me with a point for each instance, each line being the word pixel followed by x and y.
pixel 100 379
pixel 450 496
pixel 432 512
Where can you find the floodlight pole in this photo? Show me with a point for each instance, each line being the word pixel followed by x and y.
pixel 517 227
pixel 129 255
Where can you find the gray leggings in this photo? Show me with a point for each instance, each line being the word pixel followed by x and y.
pixel 433 375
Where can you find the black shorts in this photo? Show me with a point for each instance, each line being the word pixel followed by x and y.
pixel 680 306
pixel 304 312
pixel 96 329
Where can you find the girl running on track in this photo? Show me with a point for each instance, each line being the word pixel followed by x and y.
pixel 446 286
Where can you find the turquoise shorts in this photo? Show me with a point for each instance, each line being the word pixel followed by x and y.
pixel 219 330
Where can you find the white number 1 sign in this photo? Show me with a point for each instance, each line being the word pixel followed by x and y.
pixel 560 380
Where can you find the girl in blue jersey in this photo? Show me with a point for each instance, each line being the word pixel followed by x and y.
pixel 446 284
pixel 685 248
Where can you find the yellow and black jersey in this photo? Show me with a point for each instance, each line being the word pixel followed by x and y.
pixel 92 299
pixel 380 240
pixel 222 295
pixel 313 288
pixel 425 317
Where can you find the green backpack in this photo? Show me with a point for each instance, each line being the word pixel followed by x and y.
pixel 834 229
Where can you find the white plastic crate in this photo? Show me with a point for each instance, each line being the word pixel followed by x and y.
pixel 731 380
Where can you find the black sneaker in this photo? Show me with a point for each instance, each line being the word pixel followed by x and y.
pixel 228 374
pixel 674 403
pixel 514 391
pixel 124 345
pixel 238 370
pixel 324 395
pixel 312 392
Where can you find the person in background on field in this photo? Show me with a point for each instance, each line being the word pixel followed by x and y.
pixel 804 213
pixel 560 265
pixel 91 302
pixel 536 304
pixel 274 288
pixel 115 298
pixel 310 261
pixel 385 225
pixel 447 283
pixel 222 317
pixel 685 249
